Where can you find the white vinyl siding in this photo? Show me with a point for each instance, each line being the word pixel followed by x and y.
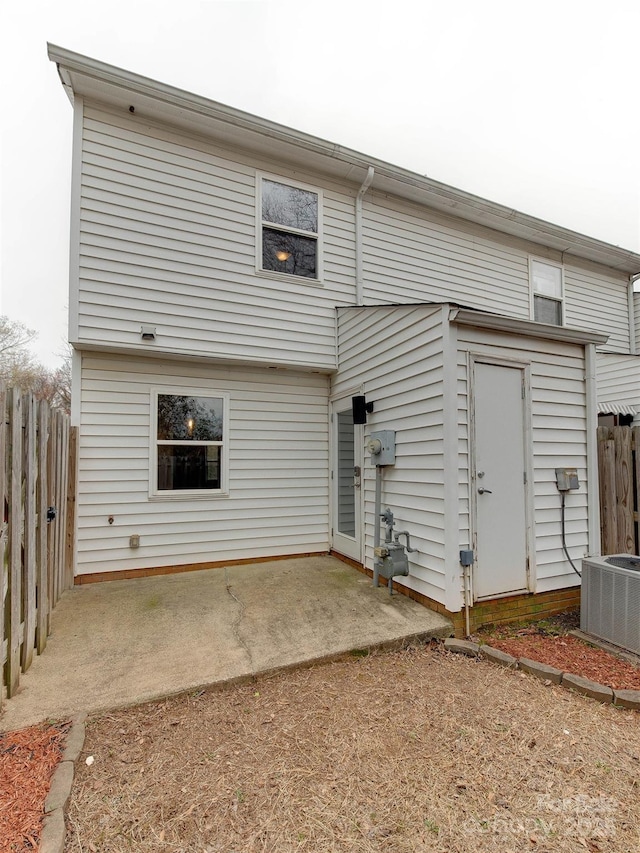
pixel 168 238
pixel 413 255
pixel 278 467
pixel 596 299
pixel 636 319
pixel 558 430
pixel 396 353
pixel 618 378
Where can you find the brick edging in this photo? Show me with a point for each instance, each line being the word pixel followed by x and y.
pixel 600 692
pixel 53 833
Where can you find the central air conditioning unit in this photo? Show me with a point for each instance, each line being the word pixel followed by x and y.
pixel 610 604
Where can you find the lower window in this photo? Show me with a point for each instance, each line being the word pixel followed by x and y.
pixel 190 443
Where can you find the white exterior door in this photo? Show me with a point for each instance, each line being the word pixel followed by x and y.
pixel 346 481
pixel 498 481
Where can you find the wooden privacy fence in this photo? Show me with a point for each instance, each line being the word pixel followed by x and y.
pixel 37 476
pixel 619 475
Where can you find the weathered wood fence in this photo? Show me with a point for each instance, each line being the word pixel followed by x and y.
pixel 37 477
pixel 619 475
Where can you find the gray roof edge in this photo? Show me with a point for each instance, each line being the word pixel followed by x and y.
pixel 461 203
pixel 513 325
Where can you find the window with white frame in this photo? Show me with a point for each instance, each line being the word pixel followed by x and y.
pixel 547 292
pixel 189 448
pixel 290 218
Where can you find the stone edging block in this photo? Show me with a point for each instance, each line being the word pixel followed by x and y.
pixel 541 670
pixel 587 687
pixel 462 647
pixel 627 699
pixel 499 657
pixel 53 830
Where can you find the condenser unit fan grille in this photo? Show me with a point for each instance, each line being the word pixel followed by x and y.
pixel 610 607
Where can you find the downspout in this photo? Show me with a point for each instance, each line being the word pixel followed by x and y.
pixel 593 507
pixel 358 225
pixel 632 314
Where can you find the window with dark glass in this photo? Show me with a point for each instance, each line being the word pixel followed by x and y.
pixel 546 280
pixel 289 229
pixel 189 442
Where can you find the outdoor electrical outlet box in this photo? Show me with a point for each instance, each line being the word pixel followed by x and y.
pixel 567 479
pixel 382 447
pixel 466 558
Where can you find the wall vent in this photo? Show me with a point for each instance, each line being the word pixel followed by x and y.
pixel 610 604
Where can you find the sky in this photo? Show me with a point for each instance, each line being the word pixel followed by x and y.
pixel 529 104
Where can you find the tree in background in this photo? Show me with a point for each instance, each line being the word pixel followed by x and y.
pixel 19 369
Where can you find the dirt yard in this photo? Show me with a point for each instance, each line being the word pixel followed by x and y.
pixel 416 750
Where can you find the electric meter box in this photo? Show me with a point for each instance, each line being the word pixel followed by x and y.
pixel 382 447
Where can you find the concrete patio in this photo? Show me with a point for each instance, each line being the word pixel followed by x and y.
pixel 123 642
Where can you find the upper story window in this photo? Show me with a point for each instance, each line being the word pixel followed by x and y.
pixel 189 451
pixel 547 292
pixel 290 219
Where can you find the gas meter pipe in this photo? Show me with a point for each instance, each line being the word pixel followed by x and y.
pixel 376 525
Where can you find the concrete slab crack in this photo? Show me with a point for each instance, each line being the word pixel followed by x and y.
pixel 238 621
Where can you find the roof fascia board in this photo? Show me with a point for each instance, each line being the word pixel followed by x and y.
pixel 529 328
pixel 434 194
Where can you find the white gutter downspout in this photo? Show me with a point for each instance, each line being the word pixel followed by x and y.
pixel 358 225
pixel 593 508
pixel 632 314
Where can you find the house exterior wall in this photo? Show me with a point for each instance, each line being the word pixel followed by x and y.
pixel 597 299
pixel 415 256
pixel 167 238
pixel 558 422
pixel 278 470
pixel 395 354
pixel 618 378
pixel 399 356
pixel 167 225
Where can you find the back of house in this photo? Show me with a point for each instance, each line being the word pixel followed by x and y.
pixel 235 284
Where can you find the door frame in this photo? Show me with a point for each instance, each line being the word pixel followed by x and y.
pixel 336 403
pixel 474 358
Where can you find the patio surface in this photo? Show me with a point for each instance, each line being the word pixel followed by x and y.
pixel 123 642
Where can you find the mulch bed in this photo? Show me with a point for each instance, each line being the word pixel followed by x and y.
pixel 548 641
pixel 28 758
pixel 572 655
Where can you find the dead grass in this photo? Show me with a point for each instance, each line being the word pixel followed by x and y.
pixel 407 751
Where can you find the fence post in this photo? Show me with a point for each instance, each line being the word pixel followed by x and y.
pixel 607 479
pixel 71 505
pixel 15 543
pixel 42 631
pixel 29 562
pixel 4 579
pixel 635 448
pixel 624 490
